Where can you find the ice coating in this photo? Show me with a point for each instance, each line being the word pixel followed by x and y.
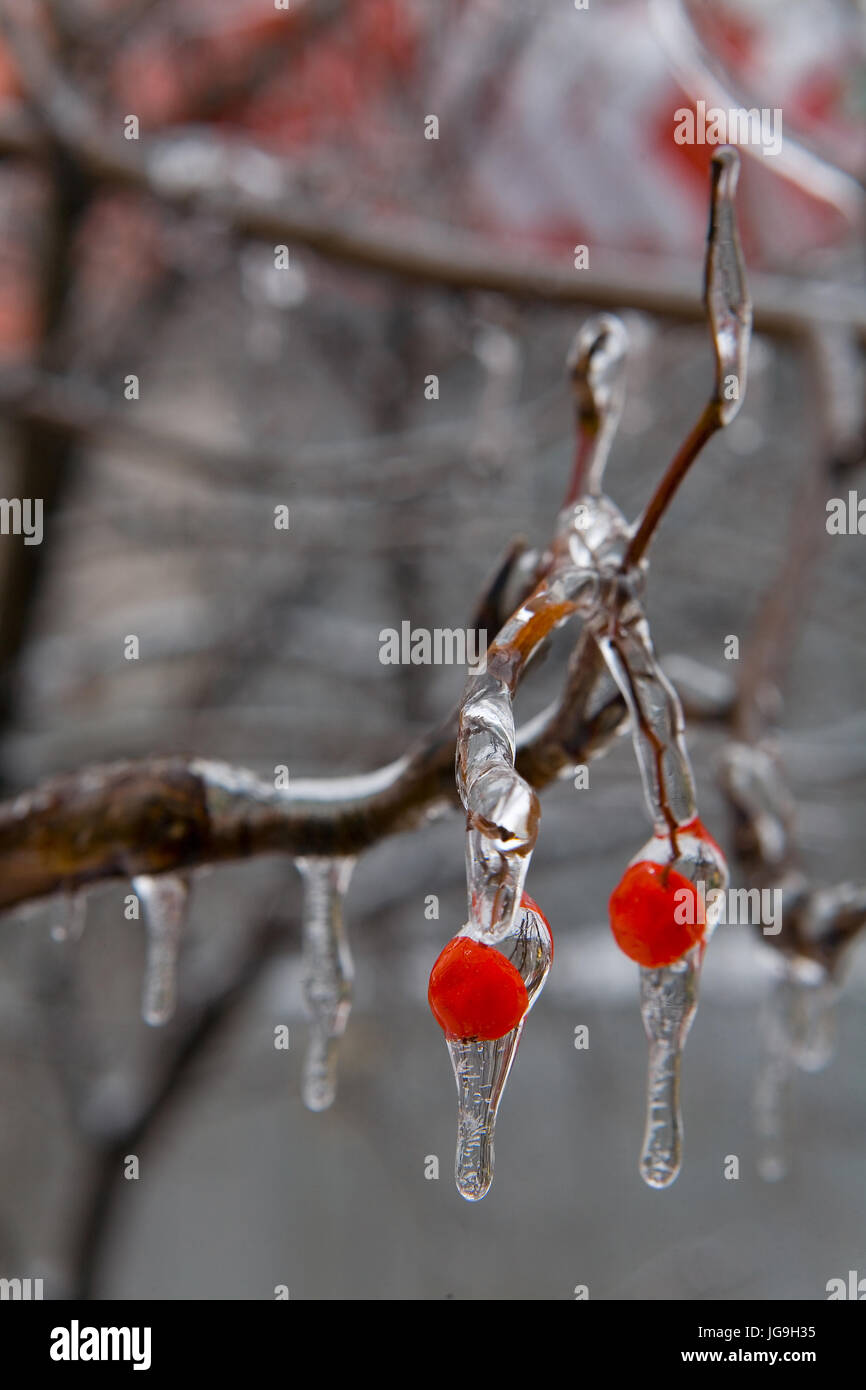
pixel 727 299
pixel 658 726
pixel 753 780
pixel 811 1014
pixel 163 898
pixel 595 569
pixel 502 809
pixel 696 858
pixel 587 553
pixel 585 577
pixel 797 1031
pixel 481 1068
pixel 669 994
pixel 668 1000
pixel 590 542
pixel 481 1071
pixel 596 364
pixel 327 973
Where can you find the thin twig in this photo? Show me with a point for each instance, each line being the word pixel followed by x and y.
pixel 729 311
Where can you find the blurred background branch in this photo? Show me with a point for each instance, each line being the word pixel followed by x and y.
pixel 410 259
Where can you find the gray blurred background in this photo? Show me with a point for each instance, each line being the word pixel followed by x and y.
pixel 261 648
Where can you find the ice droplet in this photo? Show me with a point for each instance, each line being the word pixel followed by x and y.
pixel 164 900
pixel 327 973
pixel 668 1000
pixel 481 1067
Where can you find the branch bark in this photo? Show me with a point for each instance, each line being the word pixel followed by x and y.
pixel 163 814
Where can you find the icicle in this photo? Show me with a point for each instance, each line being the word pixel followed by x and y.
pixel 74 918
pixel 327 973
pixel 164 900
pixel 646 919
pixel 772 1091
pixel 668 1000
pixel 481 1071
pixel 481 1067
pixel 829 923
pixel 813 1022
pixel 798 1031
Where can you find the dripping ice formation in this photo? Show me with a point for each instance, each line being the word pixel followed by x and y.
pixel 668 994
pixel 798 1032
pixel 668 1000
pixel 481 1067
pixel 481 1071
pixel 584 577
pixel 164 900
pixel 327 973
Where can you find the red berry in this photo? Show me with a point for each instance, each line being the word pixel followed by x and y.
pixel 642 914
pixel 475 991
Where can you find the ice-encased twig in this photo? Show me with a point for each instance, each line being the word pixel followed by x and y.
pixel 669 994
pixel 729 312
pixel 502 808
pixel 658 726
pixel 164 900
pixel 669 998
pixel 595 564
pixel 726 295
pixel 327 973
pixel 596 365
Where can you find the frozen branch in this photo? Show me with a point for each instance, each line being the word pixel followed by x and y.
pixel 161 814
pixel 818 923
pixel 197 170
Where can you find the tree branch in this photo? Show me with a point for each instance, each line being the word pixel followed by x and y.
pixel 163 814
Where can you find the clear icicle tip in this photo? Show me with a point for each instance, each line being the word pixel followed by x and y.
pixel 163 898
pixel 481 1071
pixel 669 998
